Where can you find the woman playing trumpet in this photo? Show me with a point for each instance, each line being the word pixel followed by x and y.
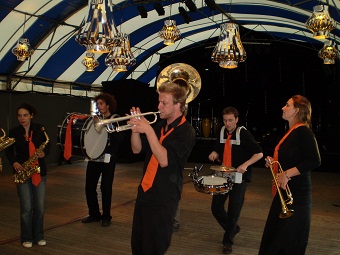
pixel 298 155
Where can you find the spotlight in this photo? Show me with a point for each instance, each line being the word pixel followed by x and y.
pixel 143 13
pixel 211 4
pixel 159 9
pixel 184 14
pixel 191 5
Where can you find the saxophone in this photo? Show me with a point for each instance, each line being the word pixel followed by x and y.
pixel 29 166
pixel 4 143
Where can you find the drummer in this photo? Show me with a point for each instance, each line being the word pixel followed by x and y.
pixel 104 167
pixel 237 148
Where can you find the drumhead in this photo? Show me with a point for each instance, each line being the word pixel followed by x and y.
pixel 94 142
pixel 213 180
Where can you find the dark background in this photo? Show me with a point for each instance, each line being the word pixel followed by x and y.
pixel 258 88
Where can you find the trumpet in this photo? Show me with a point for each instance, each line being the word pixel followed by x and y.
pixel 110 128
pixel 285 213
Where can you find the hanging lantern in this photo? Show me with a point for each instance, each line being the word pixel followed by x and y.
pixel 120 55
pixel 329 53
pixel 90 62
pixel 320 23
pixel 169 33
pixel 229 49
pixel 23 49
pixel 98 32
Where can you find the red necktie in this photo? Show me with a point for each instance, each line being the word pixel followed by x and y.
pixel 36 177
pixel 68 135
pixel 151 170
pixel 276 153
pixel 227 152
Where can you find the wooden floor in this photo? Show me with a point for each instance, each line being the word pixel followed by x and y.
pixel 199 232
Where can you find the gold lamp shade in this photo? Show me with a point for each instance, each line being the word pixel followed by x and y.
pixel 320 23
pixel 90 62
pixel 23 49
pixel 229 50
pixel 329 53
pixel 169 33
pixel 120 55
pixel 98 32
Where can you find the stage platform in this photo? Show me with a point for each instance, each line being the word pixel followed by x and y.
pixel 199 232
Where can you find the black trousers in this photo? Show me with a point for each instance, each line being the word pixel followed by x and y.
pixel 228 219
pixel 93 172
pixel 152 228
pixel 287 236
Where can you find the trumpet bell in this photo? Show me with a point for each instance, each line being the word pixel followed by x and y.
pixel 183 75
pixel 286 214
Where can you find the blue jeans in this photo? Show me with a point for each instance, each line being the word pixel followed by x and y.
pixel 32 205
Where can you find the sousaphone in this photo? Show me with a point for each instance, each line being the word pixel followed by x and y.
pixel 183 75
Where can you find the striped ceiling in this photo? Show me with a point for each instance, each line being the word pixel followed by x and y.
pixel 51 25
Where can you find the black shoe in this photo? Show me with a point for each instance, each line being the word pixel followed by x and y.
pixel 106 223
pixel 89 219
pixel 238 229
pixel 227 249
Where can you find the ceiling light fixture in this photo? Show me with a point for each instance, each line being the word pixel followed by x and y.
pixel 169 33
pixel 191 5
pixel 184 14
pixel 320 23
pixel 329 53
pixel 99 30
pixel 90 62
pixel 142 12
pixel 229 49
pixel 23 49
pixel 211 4
pixel 120 56
pixel 159 9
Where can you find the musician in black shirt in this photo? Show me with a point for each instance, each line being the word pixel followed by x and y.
pixel 104 167
pixel 167 147
pixel 244 151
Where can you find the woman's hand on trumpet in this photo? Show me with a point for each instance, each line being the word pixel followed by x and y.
pixel 281 177
pixel 282 180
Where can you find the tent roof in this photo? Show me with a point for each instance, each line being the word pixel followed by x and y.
pixel 51 25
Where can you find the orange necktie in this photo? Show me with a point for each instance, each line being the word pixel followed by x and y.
pixel 151 170
pixel 68 135
pixel 227 152
pixel 36 177
pixel 276 153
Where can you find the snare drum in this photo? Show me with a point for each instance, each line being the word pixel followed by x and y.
pixel 213 184
pixel 86 141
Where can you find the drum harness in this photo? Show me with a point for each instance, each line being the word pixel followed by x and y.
pixel 237 141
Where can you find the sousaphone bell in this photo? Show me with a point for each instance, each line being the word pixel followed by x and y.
pixel 183 75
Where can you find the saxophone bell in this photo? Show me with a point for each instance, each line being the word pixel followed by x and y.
pixel 4 143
